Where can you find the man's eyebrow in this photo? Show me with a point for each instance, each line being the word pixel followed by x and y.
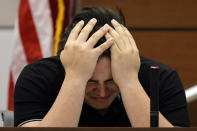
pixel 111 79
pixel 90 80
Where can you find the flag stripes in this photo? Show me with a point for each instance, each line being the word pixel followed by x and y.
pixel 38 29
pixel 11 93
pixel 28 33
pixel 41 13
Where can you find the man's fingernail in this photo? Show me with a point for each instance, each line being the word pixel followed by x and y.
pixel 93 20
pixel 114 21
pixel 106 26
pixel 81 22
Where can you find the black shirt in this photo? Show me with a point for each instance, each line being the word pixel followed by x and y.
pixel 39 83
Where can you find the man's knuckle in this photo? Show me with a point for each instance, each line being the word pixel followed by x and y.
pixel 99 50
pixel 76 28
pixel 94 36
pixel 72 32
pixel 87 28
pixel 119 27
pixel 90 24
pixel 84 31
pixel 100 47
pixel 103 30
pixel 75 46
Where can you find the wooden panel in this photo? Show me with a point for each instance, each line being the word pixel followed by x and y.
pixel 174 48
pixel 192 109
pixel 153 13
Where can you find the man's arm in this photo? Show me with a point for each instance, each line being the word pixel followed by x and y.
pixel 137 105
pixel 66 108
pixel 79 59
pixel 125 68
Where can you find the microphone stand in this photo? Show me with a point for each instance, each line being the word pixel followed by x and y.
pixel 154 96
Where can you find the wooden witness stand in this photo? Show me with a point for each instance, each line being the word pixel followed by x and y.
pixel 97 129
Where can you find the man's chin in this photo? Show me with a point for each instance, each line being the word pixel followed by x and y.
pixel 98 105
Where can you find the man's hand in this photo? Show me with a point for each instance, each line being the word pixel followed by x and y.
pixel 79 56
pixel 125 60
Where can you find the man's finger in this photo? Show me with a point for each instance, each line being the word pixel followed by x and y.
pixel 117 27
pixel 114 47
pixel 97 36
pixel 132 41
pixel 126 37
pixel 117 38
pixel 107 36
pixel 75 31
pixel 120 29
pixel 83 36
pixel 100 49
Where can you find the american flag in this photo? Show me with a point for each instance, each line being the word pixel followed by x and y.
pixel 38 29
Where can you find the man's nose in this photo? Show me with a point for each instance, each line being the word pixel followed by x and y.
pixel 102 92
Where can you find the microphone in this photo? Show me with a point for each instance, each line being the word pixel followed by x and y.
pixel 154 96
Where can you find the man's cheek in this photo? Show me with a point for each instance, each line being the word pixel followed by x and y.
pixel 114 88
pixel 89 88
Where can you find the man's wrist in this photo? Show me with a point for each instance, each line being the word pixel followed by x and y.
pixel 76 81
pixel 127 81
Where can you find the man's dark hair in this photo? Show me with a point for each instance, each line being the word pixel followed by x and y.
pixel 102 15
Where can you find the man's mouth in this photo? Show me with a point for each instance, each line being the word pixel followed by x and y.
pixel 100 99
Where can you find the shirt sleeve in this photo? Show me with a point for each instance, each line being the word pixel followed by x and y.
pixel 31 97
pixel 173 103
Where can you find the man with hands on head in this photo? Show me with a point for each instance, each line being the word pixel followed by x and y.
pixel 98 79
